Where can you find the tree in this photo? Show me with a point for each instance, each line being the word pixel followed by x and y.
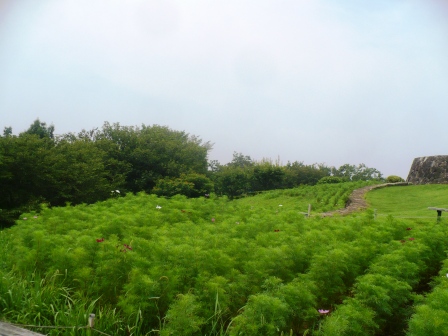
pixel 241 161
pixel 213 166
pixel 201 184
pixel 153 153
pixel 41 129
pixel 364 173
pixel 266 176
pixel 22 161
pixel 77 173
pixel 357 173
pixel 232 181
pixel 7 131
pixel 297 173
pixel 346 171
pixel 36 169
pixel 190 185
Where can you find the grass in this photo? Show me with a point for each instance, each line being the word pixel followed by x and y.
pixel 215 257
pixel 325 197
pixel 409 201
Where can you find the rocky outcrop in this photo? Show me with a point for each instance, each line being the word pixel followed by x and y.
pixel 429 170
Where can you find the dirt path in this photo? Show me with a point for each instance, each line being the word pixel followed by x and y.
pixel 357 201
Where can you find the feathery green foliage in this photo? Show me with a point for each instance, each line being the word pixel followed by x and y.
pixel 209 266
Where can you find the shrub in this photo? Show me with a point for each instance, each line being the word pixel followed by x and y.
pixel 262 315
pixel 353 318
pixel 190 185
pixel 181 318
pixel 394 179
pixel 330 179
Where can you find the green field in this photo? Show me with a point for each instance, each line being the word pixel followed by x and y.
pixel 252 266
pixel 409 201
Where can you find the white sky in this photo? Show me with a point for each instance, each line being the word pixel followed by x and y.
pixel 318 81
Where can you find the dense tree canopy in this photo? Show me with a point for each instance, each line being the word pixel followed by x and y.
pixel 40 129
pixel 38 167
pixel 357 173
pixel 151 153
pixel 244 176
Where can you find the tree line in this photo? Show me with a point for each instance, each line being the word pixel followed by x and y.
pixel 38 167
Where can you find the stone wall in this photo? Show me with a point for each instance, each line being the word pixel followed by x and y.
pixel 429 170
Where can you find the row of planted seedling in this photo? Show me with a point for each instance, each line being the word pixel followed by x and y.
pixel 330 273
pixel 322 197
pixel 431 312
pixel 381 300
pixel 107 265
pixel 215 258
pixel 330 196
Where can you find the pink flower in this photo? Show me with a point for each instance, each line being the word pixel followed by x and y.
pixel 323 311
pixel 213 220
pixel 411 238
pixel 100 240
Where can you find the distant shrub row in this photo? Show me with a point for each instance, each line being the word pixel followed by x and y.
pixel 39 167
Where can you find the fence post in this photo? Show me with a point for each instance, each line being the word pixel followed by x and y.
pixel 309 210
pixel 91 321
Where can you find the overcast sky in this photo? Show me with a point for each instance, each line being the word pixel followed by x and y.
pixel 318 81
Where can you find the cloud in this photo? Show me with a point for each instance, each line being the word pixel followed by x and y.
pixel 314 81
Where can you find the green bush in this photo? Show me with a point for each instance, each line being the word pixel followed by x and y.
pixel 330 179
pixel 181 318
pixel 190 185
pixel 262 315
pixel 353 318
pixel 431 318
pixel 394 179
pixel 431 312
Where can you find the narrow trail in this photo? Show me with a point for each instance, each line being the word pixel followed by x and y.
pixel 357 202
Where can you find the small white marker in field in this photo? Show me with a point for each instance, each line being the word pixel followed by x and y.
pixel 158 207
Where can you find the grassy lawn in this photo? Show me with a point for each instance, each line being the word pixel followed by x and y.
pixel 409 201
